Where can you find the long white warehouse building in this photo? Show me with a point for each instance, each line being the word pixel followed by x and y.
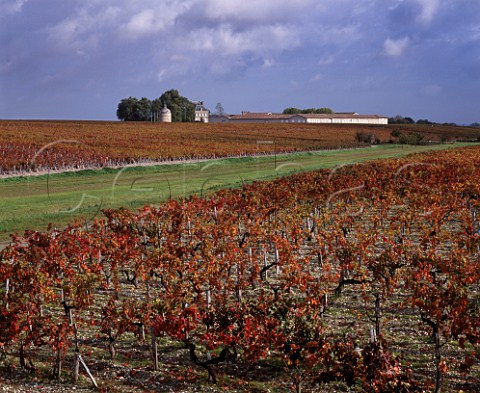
pixel 334 118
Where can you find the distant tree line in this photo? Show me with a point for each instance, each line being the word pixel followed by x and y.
pixel 408 120
pixel 400 120
pixel 143 109
pixel 295 111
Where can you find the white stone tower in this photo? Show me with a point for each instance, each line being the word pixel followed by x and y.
pixel 166 115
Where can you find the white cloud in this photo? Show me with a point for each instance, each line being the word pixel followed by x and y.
pixel 148 22
pixel 161 75
pixel 224 40
pixel 268 63
pixel 395 48
pixel 145 22
pixel 84 29
pixel 110 21
pixel 152 17
pixel 475 33
pixel 8 7
pixel 254 10
pixel 428 10
pixel 189 43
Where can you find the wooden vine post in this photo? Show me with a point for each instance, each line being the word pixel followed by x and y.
pixel 154 348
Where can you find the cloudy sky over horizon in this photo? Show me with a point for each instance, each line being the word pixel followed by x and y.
pixel 76 59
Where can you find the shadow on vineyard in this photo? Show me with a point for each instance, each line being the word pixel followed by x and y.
pixel 364 278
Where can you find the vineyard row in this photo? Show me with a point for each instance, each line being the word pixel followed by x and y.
pixel 325 272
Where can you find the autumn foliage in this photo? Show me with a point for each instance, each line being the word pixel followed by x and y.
pixel 249 274
pixel 27 146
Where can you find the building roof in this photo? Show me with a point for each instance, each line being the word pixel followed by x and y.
pixel 259 116
pixel 339 116
pixel 280 116
pixel 165 109
pixel 199 106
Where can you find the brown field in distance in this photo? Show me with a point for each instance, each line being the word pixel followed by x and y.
pixel 44 144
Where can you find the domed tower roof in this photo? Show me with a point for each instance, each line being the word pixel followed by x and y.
pixel 165 114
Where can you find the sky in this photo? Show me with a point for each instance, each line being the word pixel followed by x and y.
pixel 76 59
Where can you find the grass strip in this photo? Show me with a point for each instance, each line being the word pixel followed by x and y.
pixel 32 202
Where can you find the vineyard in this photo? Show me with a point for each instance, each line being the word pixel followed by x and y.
pixel 362 278
pixel 27 146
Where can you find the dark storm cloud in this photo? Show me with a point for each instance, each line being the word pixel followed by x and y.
pixel 79 58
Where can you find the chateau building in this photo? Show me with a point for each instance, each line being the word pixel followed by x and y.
pixel 313 118
pixel 201 113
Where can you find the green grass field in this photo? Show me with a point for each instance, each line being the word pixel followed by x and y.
pixel 32 202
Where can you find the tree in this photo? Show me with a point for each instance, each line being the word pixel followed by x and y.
pixel 411 138
pixel 318 111
pixel 125 108
pixel 133 109
pixel 157 106
pixel 219 109
pixel 182 108
pixel 143 109
pixel 396 133
pixel 424 121
pixel 366 137
pixel 400 120
pixel 293 111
